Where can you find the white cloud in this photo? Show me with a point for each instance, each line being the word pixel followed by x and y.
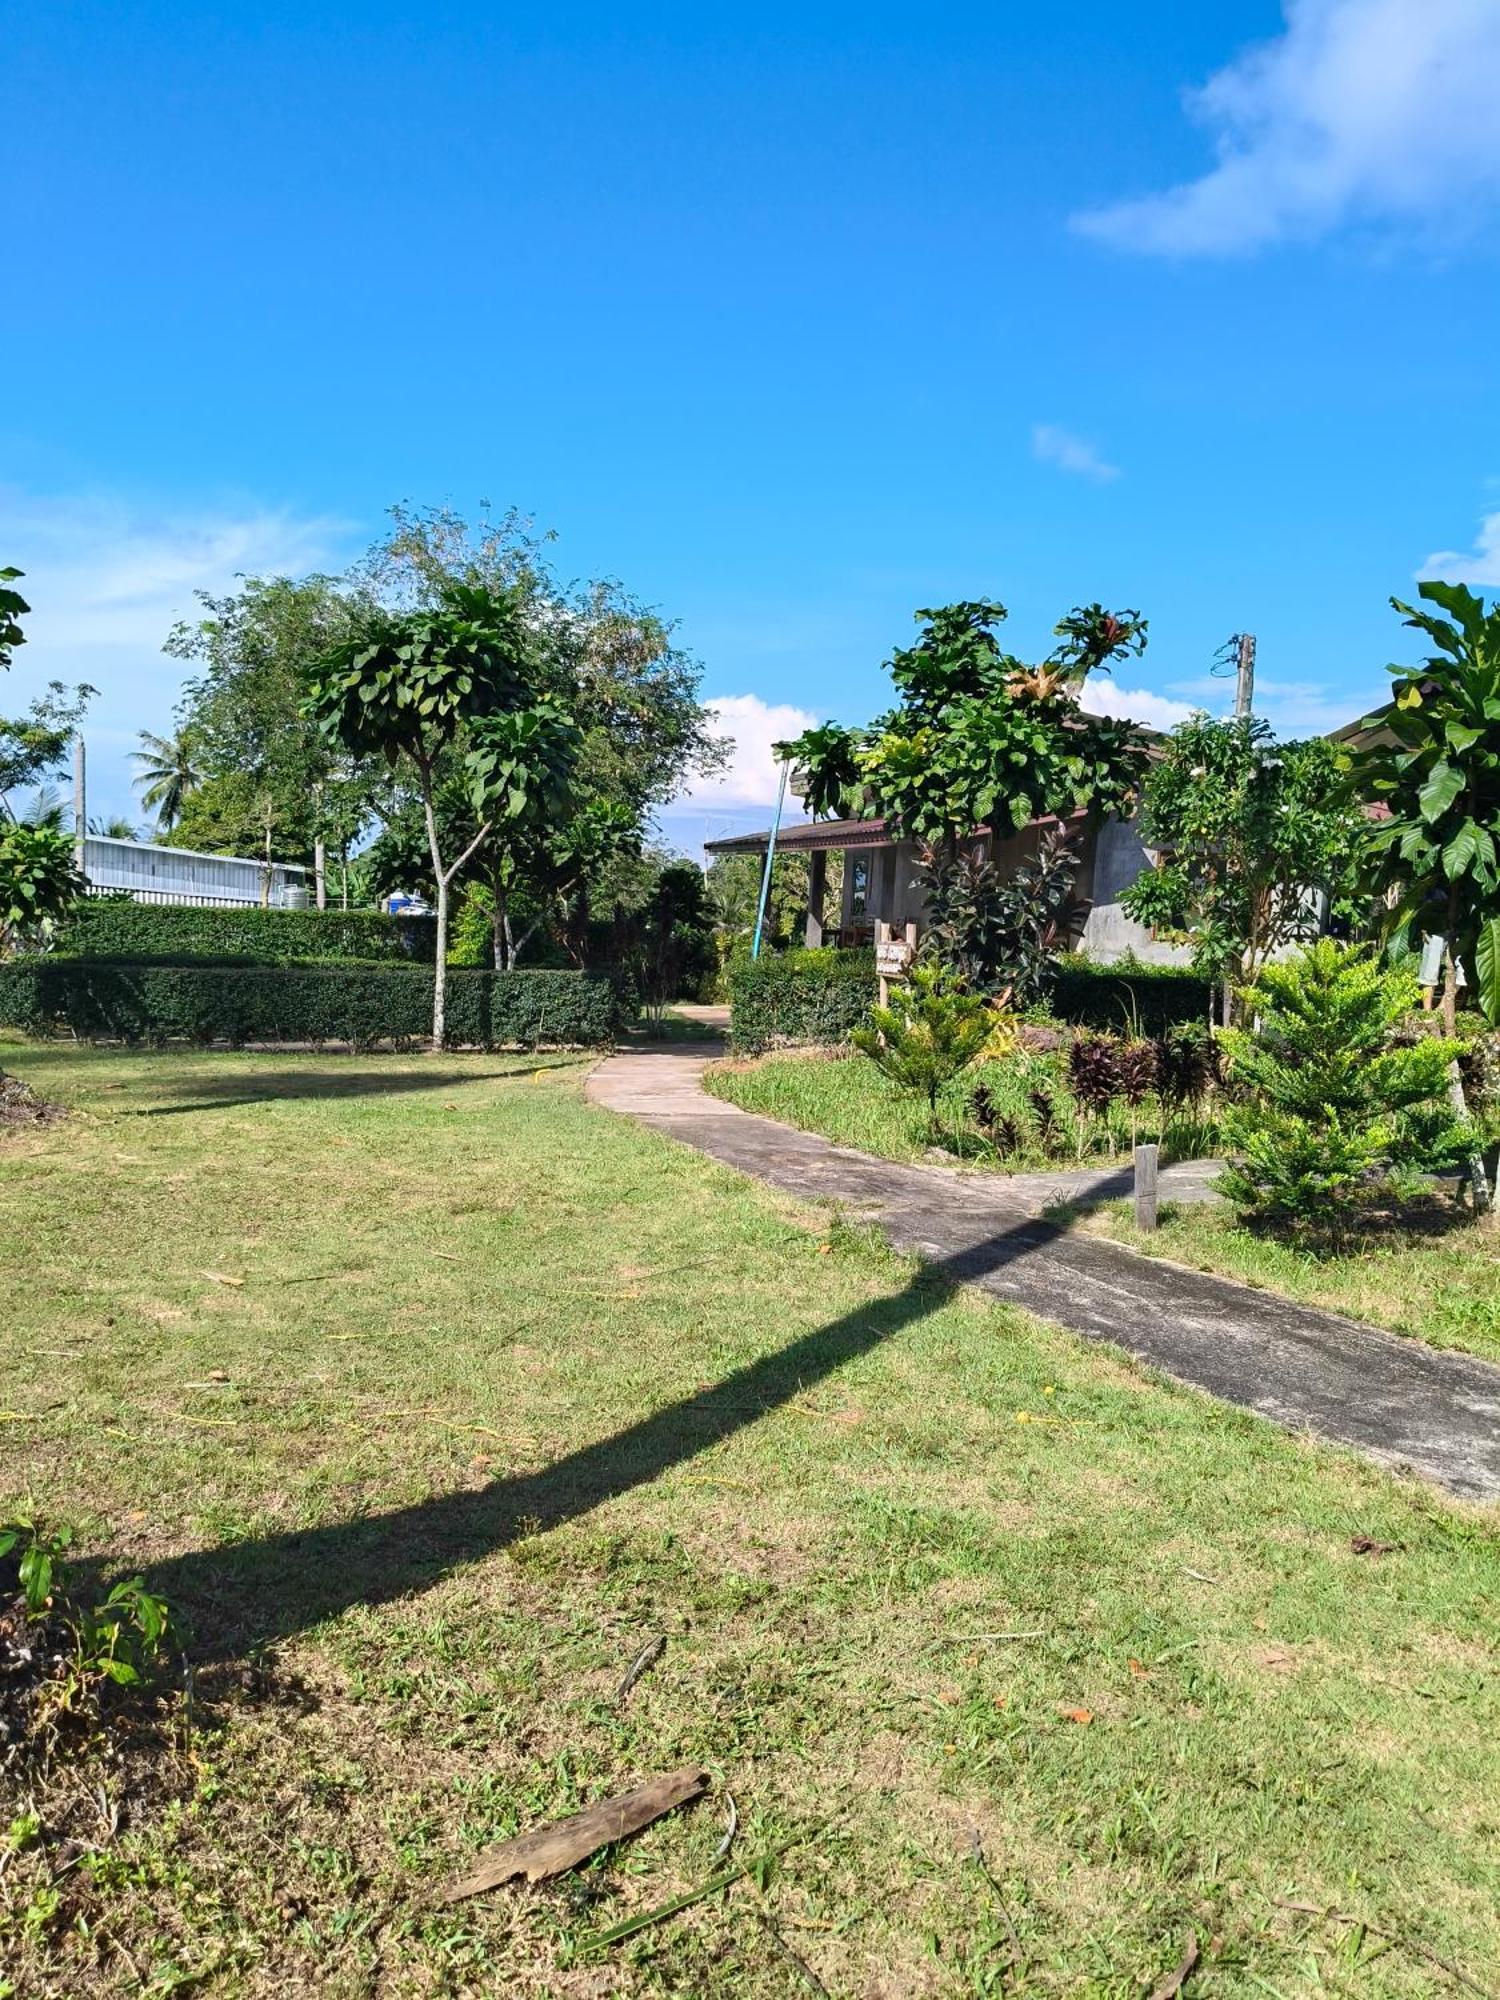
pixel 106 581
pixel 1480 566
pixel 1157 711
pixel 752 774
pixel 1361 111
pixel 1069 453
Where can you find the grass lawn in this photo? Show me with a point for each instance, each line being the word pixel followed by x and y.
pixel 510 1387
pixel 845 1097
pixel 1443 1287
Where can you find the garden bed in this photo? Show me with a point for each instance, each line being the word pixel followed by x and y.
pixel 844 1097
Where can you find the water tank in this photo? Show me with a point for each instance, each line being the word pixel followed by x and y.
pixel 293 896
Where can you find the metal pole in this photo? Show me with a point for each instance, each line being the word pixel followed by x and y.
pixel 1244 679
pixel 765 880
pixel 80 801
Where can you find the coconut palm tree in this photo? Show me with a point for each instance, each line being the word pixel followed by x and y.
pixel 168 772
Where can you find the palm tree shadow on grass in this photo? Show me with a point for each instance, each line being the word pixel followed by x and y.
pixel 241 1595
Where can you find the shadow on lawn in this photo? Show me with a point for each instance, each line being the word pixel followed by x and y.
pixel 240 1595
pixel 229 1093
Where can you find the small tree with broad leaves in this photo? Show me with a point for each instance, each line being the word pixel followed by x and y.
pixel 1247 833
pixel 1433 860
pixel 979 738
pixel 404 687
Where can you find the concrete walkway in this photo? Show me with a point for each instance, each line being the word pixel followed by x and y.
pixel 1410 1407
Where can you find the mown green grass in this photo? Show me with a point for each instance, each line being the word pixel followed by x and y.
pixel 509 1387
pixel 1443 1286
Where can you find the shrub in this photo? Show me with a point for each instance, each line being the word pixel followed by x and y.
pixel 175 934
pixel 799 996
pixel 358 1004
pixel 1145 999
pixel 1336 1113
pixel 70 1648
pixel 1001 931
pixel 929 1034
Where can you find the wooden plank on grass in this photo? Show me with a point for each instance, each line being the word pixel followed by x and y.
pixel 552 1850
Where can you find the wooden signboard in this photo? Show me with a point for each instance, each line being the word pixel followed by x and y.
pixel 892 957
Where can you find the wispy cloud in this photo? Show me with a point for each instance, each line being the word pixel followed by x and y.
pixel 1293 708
pixel 1362 111
pixel 1479 566
pixel 106 581
pixel 1070 453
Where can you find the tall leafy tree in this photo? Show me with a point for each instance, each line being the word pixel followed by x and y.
pixel 405 687
pixel 1433 768
pixel 168 773
pixel 38 879
pixel 13 608
pixel 266 778
pixel 978 737
pixel 1248 835
pixel 34 747
pixel 612 663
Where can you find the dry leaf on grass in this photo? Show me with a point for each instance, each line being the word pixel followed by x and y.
pixel 1275 1659
pixel 1169 1987
pixel 222 1278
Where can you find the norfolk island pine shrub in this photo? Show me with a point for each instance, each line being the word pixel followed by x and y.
pixel 1334 1113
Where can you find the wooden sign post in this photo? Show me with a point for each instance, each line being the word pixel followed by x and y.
pixel 893 956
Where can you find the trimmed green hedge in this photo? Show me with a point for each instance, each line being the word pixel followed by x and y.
pixel 362 1005
pixel 799 996
pixel 1114 996
pixel 818 996
pixel 178 933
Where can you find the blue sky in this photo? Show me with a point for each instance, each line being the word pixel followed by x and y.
pixel 793 318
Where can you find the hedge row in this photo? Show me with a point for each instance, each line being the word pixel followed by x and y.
pixel 177 933
pixel 1119 996
pixel 799 996
pixel 362 1005
pixel 818 996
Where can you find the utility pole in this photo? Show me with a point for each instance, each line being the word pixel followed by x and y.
pixel 1244 675
pixel 80 801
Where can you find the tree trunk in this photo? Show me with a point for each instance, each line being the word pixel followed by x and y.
pixel 1479 1183
pixel 500 930
pixel 320 873
pixel 440 965
pixel 440 968
pixel 1450 981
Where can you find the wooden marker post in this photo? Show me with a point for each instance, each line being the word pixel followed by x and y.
pixel 1145 1187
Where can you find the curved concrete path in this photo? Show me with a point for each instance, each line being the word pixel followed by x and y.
pixel 1411 1407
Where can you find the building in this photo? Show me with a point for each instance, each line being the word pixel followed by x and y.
pixel 882 902
pixel 149 874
